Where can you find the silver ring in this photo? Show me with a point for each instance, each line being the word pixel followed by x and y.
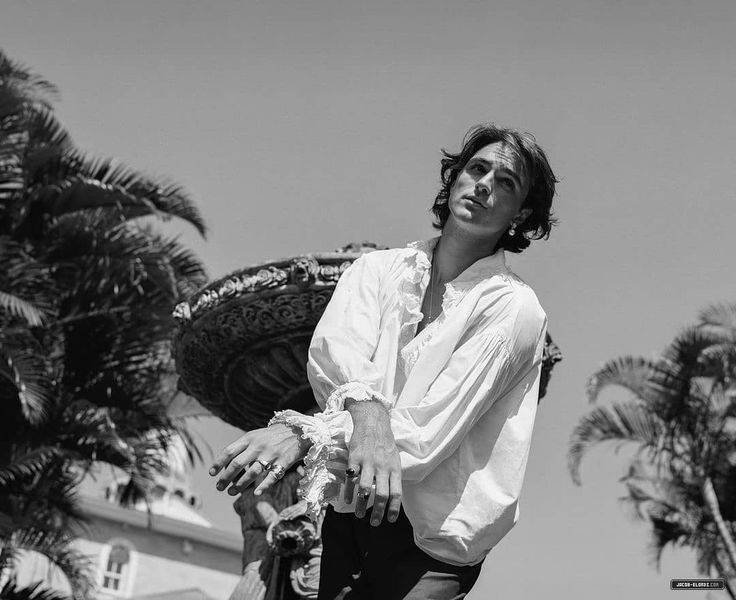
pixel 365 494
pixel 278 471
pixel 266 465
pixel 350 472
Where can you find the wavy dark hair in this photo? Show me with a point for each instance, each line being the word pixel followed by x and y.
pixel 541 182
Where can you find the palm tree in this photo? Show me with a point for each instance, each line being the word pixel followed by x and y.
pixel 681 415
pixel 86 294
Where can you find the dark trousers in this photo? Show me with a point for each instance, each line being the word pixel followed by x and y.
pixel 361 562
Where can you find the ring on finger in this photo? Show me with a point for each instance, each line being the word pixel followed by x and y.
pixel 278 471
pixel 365 494
pixel 266 465
pixel 351 472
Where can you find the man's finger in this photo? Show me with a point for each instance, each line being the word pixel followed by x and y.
pixel 364 490
pixel 394 499
pixel 380 499
pixel 228 453
pixel 240 463
pixel 349 490
pixel 248 477
pixel 267 482
pixel 350 482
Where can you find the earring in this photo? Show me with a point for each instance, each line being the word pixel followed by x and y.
pixel 512 229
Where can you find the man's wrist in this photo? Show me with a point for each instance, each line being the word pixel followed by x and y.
pixel 354 405
pixel 367 413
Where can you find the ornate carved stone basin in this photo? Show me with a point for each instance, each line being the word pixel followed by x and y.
pixel 241 342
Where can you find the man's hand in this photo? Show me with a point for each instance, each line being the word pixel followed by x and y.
pixel 372 454
pixel 243 460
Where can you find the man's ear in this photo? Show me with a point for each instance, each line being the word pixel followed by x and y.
pixel 522 215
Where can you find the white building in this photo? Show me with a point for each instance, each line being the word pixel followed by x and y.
pixel 170 553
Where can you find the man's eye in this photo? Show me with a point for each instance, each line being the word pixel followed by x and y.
pixel 507 183
pixel 477 168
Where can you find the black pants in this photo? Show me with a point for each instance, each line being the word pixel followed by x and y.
pixel 361 562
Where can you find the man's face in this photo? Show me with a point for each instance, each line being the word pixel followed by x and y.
pixel 490 189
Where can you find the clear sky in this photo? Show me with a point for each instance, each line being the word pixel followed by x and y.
pixel 300 126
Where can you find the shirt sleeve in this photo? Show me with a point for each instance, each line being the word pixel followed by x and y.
pixel 481 371
pixel 339 362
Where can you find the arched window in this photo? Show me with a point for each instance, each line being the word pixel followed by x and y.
pixel 117 567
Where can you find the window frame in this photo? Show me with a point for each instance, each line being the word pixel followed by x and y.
pixel 125 576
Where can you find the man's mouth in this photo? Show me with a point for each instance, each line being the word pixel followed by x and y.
pixel 475 200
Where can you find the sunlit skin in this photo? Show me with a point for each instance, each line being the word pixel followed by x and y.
pixel 238 466
pixel 484 202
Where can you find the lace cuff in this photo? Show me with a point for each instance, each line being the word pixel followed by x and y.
pixel 356 390
pixel 315 483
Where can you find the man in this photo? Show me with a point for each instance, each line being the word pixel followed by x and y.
pixel 426 364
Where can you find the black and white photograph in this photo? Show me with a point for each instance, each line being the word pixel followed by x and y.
pixel 413 300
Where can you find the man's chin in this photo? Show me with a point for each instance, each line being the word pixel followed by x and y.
pixel 467 220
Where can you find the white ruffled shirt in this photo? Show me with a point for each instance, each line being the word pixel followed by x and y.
pixel 462 394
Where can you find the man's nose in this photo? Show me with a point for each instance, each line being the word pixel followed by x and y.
pixel 484 185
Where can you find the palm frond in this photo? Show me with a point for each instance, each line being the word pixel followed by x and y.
pixel 22 309
pixel 47 501
pixel 117 262
pixel 719 318
pixel 27 464
pixel 633 373
pixel 672 510
pixel 11 182
pixel 12 591
pixel 58 549
pixel 70 182
pixel 27 372
pixel 634 500
pixel 12 104
pixel 624 422
pixel 711 557
pixel 187 269
pixel 664 532
pixel 25 83
pixel 192 446
pixel 46 134
pixel 719 360
pixel 25 281
pixel 683 354
pixel 90 433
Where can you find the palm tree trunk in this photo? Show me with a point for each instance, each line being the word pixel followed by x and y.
pixel 711 500
pixel 723 572
pixel 729 589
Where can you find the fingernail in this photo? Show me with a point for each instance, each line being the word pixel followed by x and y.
pixel 374 522
pixel 220 486
pixel 213 471
pixel 257 493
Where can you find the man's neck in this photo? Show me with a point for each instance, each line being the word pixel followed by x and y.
pixel 456 250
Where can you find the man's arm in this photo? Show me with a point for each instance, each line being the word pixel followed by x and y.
pixel 480 372
pixel 372 453
pixel 343 377
pixel 339 362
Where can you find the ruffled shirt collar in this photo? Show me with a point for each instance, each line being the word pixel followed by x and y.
pixel 479 270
